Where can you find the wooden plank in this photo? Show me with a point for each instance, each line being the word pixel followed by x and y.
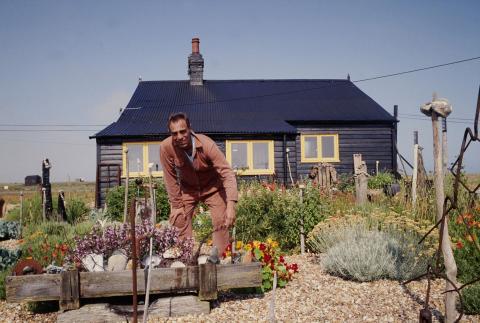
pixel 33 288
pixel 69 292
pixel 207 289
pixel 164 280
pixel 239 275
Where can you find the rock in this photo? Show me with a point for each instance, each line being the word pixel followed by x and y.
pixel 172 253
pixel 93 262
pixel 247 258
pixel 213 258
pixel 177 264
pixel 52 269
pixel 117 261
pixel 130 265
pixel 226 261
pixel 156 260
pixel 202 259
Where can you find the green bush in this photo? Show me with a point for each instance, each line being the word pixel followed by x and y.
pixel 8 258
pixel 76 210
pixel 471 299
pixel 3 274
pixel 277 214
pixel 367 255
pixel 380 180
pixel 202 225
pixel 116 198
pixel 9 230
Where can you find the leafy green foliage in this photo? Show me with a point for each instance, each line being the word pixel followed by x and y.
pixel 9 230
pixel 202 225
pixel 277 214
pixel 380 180
pixel 116 198
pixel 8 258
pixel 3 274
pixel 76 210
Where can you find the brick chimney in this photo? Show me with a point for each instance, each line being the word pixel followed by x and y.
pixel 195 64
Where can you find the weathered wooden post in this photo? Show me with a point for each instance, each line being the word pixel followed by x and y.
pixel 44 205
pixel 436 108
pixel 125 205
pixel 377 163
pixel 302 229
pixel 273 317
pixel 361 181
pixel 21 213
pixel 444 145
pixel 415 168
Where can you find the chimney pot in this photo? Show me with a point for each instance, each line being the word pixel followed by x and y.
pixel 195 46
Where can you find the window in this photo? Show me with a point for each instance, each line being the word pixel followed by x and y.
pixel 319 148
pixel 251 157
pixel 140 154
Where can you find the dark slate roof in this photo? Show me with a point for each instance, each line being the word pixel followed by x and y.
pixel 244 106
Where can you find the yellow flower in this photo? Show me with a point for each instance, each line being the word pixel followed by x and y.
pixel 247 247
pixel 274 244
pixel 239 245
pixel 256 244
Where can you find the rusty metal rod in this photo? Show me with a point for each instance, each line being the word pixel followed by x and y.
pixel 134 261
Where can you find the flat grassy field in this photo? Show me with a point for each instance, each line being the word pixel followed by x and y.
pixel 81 190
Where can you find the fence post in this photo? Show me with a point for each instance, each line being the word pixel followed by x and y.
pixel 125 205
pixel 44 205
pixel 444 146
pixel 361 181
pixel 415 168
pixel 302 229
pixel 21 213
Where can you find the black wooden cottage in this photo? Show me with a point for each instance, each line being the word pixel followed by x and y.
pixel 267 128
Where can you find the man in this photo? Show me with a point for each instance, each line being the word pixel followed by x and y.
pixel 194 170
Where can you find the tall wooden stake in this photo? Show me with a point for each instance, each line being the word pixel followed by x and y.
pixel 361 181
pixel 125 205
pixel 21 212
pixel 415 169
pixel 134 262
pixel 153 209
pixel 44 205
pixel 450 265
pixel 444 146
pixel 302 229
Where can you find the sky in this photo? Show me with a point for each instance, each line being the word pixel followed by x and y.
pixel 75 64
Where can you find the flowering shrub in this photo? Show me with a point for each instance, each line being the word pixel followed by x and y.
pixel 117 238
pixel 269 254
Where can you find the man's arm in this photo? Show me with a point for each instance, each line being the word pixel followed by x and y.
pixel 170 179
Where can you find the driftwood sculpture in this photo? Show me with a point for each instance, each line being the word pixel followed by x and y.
pixel 324 175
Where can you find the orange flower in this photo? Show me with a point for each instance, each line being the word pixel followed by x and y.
pixel 471 238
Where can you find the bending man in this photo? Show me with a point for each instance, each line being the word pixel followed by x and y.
pixel 194 170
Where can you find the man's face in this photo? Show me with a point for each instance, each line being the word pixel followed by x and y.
pixel 180 133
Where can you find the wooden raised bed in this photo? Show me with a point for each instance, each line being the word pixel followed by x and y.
pixel 69 287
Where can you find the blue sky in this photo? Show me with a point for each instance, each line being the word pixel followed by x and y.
pixel 78 62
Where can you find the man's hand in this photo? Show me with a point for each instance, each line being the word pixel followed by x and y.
pixel 175 213
pixel 230 214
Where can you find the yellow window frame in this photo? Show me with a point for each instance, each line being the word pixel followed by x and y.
pixel 251 170
pixel 319 158
pixel 144 172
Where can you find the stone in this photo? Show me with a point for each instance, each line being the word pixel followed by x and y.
pixel 52 269
pixel 93 262
pixel 213 258
pixel 130 265
pixel 247 258
pixel 177 264
pixel 202 259
pixel 156 260
pixel 117 261
pixel 172 253
pixel 226 261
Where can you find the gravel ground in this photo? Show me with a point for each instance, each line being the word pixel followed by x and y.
pixel 312 296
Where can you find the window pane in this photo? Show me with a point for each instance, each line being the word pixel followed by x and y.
pixel 260 155
pixel 310 145
pixel 154 157
pixel 135 158
pixel 328 147
pixel 239 156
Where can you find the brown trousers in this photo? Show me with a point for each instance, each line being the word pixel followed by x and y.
pixel 217 205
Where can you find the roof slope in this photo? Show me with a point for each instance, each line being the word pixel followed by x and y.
pixel 244 106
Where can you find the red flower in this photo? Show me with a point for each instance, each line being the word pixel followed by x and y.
pixel 281 260
pixel 267 258
pixel 262 246
pixel 459 245
pixel 294 267
pixel 272 265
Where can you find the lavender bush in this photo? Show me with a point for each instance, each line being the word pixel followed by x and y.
pixel 116 237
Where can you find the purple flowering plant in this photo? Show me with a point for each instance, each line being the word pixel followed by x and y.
pixel 117 237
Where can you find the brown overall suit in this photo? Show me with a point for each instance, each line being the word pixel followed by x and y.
pixel 209 178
